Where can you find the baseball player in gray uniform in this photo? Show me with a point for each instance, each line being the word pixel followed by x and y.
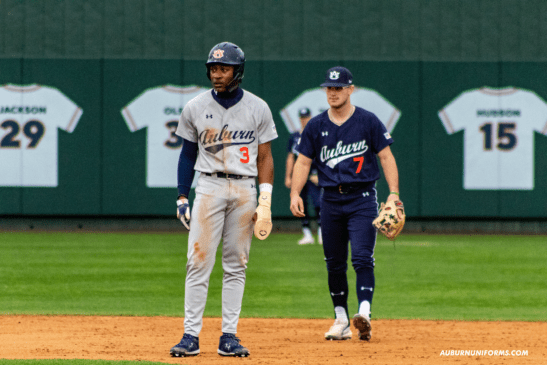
pixel 232 130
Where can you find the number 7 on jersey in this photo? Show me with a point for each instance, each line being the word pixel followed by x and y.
pixel 359 159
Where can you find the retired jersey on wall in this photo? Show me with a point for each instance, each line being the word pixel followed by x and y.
pixel 316 100
pixel 30 116
pixel 499 126
pixel 158 109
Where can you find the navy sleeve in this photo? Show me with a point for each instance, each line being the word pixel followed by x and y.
pixel 306 144
pixel 380 136
pixel 185 171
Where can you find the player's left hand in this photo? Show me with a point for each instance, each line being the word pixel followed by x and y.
pixel 314 179
pixel 391 218
pixel 297 206
pixel 392 196
pixel 183 212
pixel 263 216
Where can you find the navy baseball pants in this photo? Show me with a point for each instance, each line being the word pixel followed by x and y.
pixel 348 217
pixel 314 192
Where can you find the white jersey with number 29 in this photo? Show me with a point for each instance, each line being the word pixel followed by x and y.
pixel 30 117
pixel 499 127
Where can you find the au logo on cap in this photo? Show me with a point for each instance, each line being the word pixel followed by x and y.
pixel 334 75
pixel 219 53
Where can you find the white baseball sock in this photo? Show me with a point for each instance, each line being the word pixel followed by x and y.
pixel 341 314
pixel 364 308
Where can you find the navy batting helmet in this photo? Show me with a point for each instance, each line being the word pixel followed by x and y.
pixel 227 53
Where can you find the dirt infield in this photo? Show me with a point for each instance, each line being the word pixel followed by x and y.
pixel 273 341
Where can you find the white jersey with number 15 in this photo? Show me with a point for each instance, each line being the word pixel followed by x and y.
pixel 499 127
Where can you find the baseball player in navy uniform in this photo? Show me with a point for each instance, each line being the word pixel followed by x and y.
pixel 344 142
pixel 311 188
pixel 232 130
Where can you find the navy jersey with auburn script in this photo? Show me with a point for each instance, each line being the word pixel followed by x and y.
pixel 345 154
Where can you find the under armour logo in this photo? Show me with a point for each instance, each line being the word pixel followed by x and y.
pixel 333 294
pixel 324 134
pixel 366 288
pixel 207 116
pixel 334 75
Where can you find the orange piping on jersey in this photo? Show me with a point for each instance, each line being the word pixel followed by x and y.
pixel 446 121
pixel 498 92
pixel 394 116
pixel 75 117
pixel 129 118
pixel 544 131
pixel 181 90
pixel 22 88
pixel 288 117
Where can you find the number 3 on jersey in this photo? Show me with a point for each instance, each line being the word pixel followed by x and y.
pixel 246 157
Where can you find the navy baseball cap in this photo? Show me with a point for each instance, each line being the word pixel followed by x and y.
pixel 304 112
pixel 338 77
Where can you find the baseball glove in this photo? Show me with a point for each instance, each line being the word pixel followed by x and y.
pixel 391 219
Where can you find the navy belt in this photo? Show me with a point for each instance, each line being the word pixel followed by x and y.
pixel 226 176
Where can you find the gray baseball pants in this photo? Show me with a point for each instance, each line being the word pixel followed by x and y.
pixel 223 209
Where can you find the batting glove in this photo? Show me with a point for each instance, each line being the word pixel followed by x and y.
pixel 263 216
pixel 183 212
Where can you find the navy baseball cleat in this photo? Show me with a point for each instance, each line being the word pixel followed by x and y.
pixel 229 346
pixel 188 346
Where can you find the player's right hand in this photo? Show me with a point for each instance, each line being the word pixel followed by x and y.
pixel 288 182
pixel 183 212
pixel 297 206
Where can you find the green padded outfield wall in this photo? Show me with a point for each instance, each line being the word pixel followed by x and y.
pixel 98 57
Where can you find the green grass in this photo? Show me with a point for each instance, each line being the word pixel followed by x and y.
pixel 420 276
pixel 462 277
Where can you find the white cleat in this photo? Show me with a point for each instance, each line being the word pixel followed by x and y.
pixel 306 240
pixel 362 323
pixel 339 331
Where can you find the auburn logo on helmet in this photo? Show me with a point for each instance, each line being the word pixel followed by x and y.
pixel 219 53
